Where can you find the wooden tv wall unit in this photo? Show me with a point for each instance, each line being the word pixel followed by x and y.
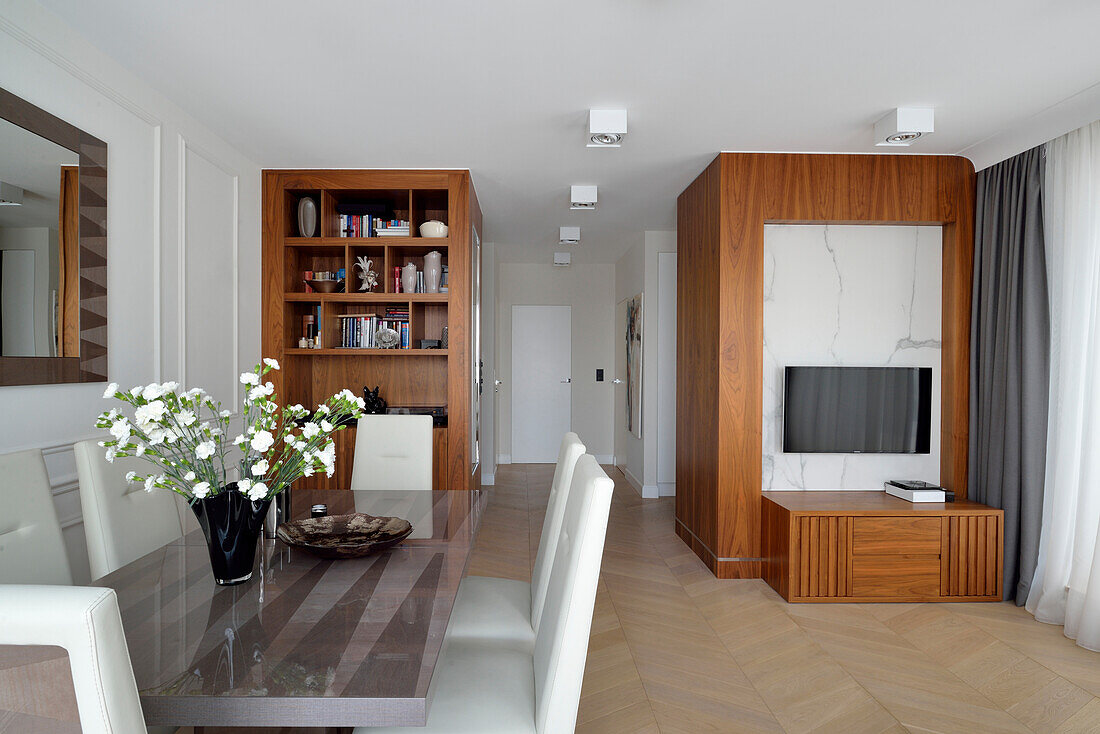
pixel 407 377
pixel 721 512
pixel 823 546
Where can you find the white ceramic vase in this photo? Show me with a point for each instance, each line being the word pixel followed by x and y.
pixel 433 271
pixel 307 217
pixel 408 278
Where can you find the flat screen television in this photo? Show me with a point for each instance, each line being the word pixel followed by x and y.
pixel 857 410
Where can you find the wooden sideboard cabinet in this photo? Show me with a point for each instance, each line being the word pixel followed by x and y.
pixel 871 547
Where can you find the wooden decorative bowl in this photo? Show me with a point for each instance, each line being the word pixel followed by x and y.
pixel 326 286
pixel 344 536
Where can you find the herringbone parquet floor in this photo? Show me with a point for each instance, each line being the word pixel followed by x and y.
pixel 675 650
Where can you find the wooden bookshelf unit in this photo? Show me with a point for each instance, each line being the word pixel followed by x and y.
pixel 410 377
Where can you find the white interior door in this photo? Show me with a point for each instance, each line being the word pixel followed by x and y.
pixel 541 384
pixel 622 435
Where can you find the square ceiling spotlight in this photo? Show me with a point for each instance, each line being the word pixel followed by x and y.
pixel 569 235
pixel 562 259
pixel 904 125
pixel 582 197
pixel 606 128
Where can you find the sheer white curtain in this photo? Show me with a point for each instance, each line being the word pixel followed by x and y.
pixel 1066 588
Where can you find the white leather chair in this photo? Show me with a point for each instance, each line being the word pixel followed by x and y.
pixel 122 522
pixel 506 611
pixel 393 452
pixel 86 623
pixel 486 689
pixel 31 547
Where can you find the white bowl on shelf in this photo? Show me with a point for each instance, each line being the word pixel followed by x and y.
pixel 433 228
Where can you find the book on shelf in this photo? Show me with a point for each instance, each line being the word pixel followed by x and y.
pixel 357 225
pixel 369 225
pixel 392 228
pixel 357 330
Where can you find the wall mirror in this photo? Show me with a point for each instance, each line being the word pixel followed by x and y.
pixel 53 248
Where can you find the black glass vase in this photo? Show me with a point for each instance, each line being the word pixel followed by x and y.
pixel 232 524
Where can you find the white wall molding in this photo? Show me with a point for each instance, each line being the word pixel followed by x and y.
pixel 50 54
pixel 504 459
pixel 158 240
pixel 181 255
pixel 666 489
pixel 64 485
pixel 53 66
pixel 606 459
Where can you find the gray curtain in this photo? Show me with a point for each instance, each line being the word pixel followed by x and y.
pixel 1010 358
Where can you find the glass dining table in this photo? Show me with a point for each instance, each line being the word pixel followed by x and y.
pixel 307 642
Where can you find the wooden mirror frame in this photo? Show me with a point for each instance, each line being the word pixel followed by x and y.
pixel 84 318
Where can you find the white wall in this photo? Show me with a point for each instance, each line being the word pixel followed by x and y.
pixel 637 272
pixel 183 244
pixel 630 281
pixel 666 373
pixel 589 289
pixel 848 295
pixel 489 361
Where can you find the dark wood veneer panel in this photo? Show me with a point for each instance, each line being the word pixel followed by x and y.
pixel 721 217
pixel 697 348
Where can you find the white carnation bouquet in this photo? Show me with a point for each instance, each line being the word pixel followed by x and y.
pixel 185 435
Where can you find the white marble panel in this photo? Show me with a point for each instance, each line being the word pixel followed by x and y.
pixel 866 295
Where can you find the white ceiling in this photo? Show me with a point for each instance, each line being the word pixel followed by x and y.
pixel 502 87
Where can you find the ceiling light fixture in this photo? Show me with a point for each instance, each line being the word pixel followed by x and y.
pixel 10 195
pixel 902 138
pixel 569 235
pixel 904 125
pixel 582 197
pixel 562 259
pixel 606 128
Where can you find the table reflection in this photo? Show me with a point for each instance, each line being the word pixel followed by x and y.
pixel 368 629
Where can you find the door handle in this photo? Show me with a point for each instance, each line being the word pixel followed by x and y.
pixel 567 380
pixel 616 381
pixel 498 383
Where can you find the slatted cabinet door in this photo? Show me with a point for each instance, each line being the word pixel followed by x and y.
pixel 869 547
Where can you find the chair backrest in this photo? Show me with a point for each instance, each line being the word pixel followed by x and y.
pixel 393 452
pixel 86 623
pixel 571 450
pixel 31 547
pixel 122 522
pixel 561 644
